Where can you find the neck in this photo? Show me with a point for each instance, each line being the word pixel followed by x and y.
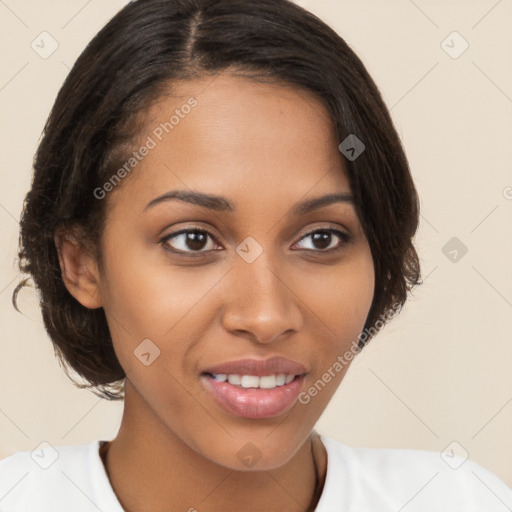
pixel 150 467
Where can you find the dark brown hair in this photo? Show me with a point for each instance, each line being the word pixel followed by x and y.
pixel 127 66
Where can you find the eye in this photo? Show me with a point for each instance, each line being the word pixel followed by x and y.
pixel 190 240
pixel 195 240
pixel 323 239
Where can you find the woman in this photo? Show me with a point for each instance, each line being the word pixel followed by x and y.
pixel 221 216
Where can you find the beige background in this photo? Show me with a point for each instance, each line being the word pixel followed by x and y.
pixel 441 371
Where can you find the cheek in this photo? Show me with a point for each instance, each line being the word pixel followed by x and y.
pixel 341 299
pixel 342 305
pixel 170 306
pixel 147 300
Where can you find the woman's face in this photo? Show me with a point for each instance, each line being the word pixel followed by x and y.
pixel 271 280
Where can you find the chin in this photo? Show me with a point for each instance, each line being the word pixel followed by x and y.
pixel 253 452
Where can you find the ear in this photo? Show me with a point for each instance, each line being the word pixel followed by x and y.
pixel 79 269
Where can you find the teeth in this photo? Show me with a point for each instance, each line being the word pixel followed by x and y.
pixel 268 381
pixel 253 381
pixel 235 380
pixel 250 381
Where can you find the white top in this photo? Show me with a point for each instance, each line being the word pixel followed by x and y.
pixel 73 478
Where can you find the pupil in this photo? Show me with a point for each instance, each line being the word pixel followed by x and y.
pixel 323 237
pixel 196 240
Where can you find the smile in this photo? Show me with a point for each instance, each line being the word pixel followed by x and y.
pixel 255 388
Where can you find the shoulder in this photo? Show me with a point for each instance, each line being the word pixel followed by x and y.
pixel 365 479
pixel 53 479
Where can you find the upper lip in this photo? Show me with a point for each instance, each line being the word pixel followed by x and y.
pixel 258 367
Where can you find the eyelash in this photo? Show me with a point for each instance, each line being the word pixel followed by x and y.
pixel 345 239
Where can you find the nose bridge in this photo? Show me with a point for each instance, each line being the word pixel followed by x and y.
pixel 260 302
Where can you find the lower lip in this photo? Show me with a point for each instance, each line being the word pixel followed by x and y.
pixel 254 402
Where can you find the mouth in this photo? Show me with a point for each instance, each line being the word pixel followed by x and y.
pixel 253 388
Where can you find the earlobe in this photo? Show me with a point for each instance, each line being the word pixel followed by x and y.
pixel 79 270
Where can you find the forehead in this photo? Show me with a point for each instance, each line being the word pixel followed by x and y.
pixel 234 136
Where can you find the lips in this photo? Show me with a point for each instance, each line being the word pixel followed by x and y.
pixel 258 367
pixel 255 388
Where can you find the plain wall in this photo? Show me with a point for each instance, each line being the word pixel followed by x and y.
pixel 441 371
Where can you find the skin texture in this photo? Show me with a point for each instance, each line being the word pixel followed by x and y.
pixel 264 147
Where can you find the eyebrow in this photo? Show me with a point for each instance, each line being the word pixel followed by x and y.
pixel 221 204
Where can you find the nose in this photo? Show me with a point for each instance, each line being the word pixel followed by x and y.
pixel 261 305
